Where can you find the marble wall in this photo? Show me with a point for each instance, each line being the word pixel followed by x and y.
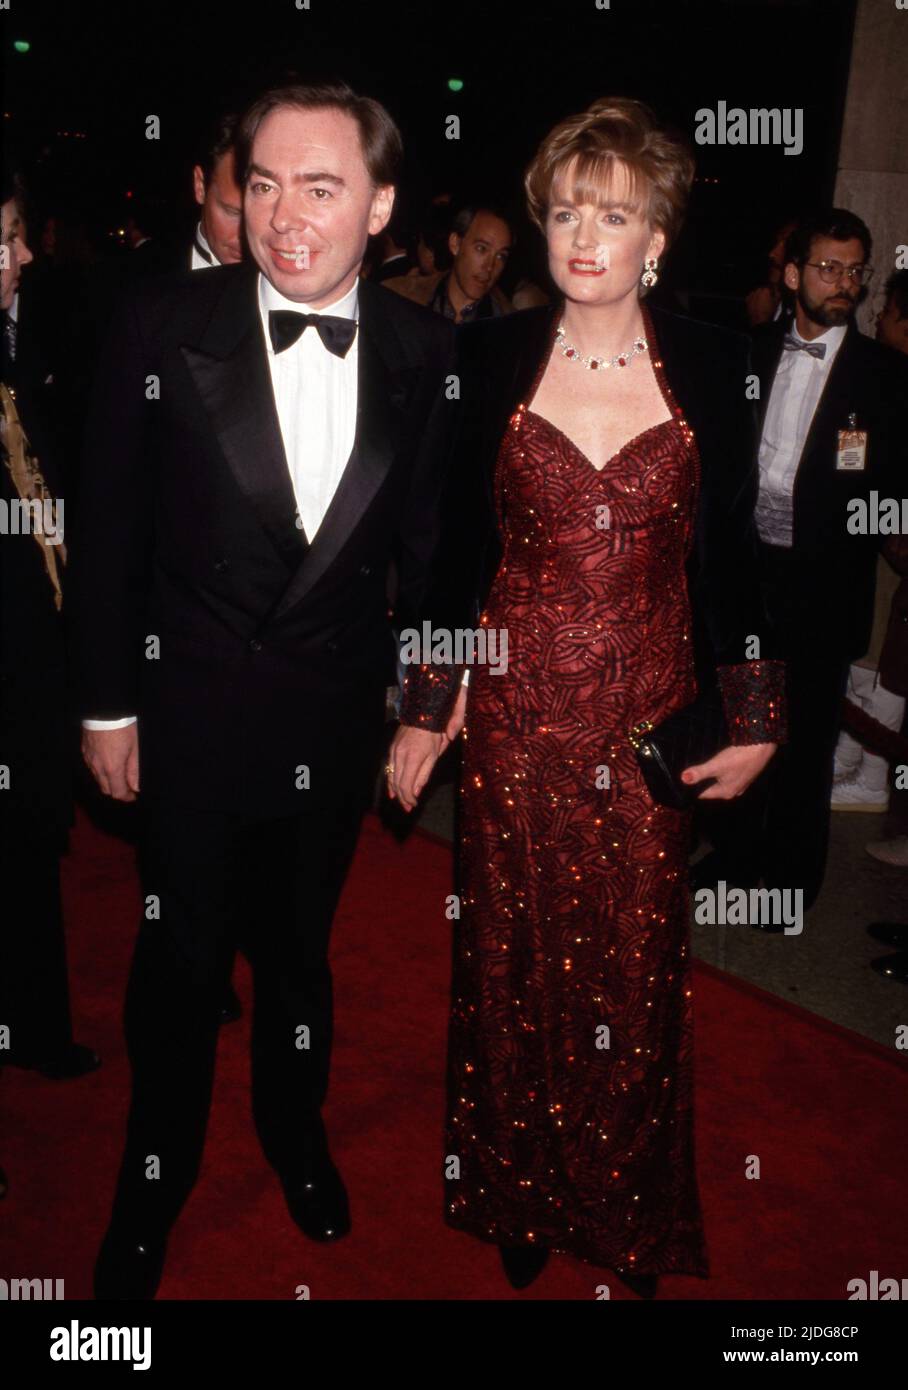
pixel 872 178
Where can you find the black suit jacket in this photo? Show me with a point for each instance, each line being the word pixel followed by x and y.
pixel 274 652
pixel 829 604
pixel 34 720
pixel 707 369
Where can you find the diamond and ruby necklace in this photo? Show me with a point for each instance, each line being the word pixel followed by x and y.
pixel 594 363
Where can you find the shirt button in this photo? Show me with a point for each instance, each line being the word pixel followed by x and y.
pixel 365 570
pixel 220 566
pixel 255 645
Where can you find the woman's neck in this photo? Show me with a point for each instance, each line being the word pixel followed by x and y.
pixel 603 330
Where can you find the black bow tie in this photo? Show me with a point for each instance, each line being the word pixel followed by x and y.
pixel 792 344
pixel 286 325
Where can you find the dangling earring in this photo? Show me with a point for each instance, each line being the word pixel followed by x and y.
pixel 649 276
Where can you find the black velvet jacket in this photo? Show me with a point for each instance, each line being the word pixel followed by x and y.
pixel 708 371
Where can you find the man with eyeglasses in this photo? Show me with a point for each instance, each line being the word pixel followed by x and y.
pixel 834 428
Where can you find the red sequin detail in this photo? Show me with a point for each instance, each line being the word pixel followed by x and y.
pixel 753 694
pixel 574 908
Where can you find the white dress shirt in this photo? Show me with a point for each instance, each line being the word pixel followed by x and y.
pixel 197 262
pixel 796 390
pixel 315 393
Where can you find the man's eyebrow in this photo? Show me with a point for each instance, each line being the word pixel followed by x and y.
pixel 319 177
pixel 316 176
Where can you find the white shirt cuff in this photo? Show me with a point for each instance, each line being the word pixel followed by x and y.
pixel 466 677
pixel 108 723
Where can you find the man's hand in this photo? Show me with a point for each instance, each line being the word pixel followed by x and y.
pixel 735 767
pixel 112 756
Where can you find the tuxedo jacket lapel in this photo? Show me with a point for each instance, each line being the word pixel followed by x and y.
pixel 229 366
pixel 766 352
pixel 381 395
pixel 835 403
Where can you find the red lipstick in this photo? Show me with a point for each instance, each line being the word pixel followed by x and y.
pixel 581 267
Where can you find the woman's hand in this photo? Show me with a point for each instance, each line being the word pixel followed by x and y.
pixel 735 767
pixel 414 753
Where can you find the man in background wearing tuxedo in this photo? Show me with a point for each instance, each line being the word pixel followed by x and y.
pixel 218 238
pixel 250 476
pixel 35 741
pixel 824 386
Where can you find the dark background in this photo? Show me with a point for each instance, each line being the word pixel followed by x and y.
pixel 75 105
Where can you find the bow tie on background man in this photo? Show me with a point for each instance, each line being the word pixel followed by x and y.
pixel 286 325
pixel 792 344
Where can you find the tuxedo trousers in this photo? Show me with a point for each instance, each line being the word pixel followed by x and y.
pixel 779 829
pixel 212 881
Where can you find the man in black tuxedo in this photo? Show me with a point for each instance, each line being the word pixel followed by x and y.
pixel 250 475
pixel 834 424
pixel 218 236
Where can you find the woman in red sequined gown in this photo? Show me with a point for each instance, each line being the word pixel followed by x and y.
pixel 570 1118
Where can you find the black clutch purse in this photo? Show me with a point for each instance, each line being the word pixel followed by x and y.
pixel 689 736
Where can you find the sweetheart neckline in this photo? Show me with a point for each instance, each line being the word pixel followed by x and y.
pixel 660 424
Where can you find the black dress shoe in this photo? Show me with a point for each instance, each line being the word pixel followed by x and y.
pixel 643 1285
pixel 231 1008
pixel 890 933
pixel 129 1266
pixel 893 967
pixel 523 1263
pixel 74 1061
pixel 317 1201
pixel 4 1183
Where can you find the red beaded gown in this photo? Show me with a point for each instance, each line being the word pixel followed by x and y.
pixel 570 1120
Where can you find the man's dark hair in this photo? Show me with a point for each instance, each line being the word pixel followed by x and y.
pixel 219 140
pixel 463 217
pixel 897 291
pixel 837 223
pixel 380 139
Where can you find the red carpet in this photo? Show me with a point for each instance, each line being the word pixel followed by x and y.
pixel 823 1109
